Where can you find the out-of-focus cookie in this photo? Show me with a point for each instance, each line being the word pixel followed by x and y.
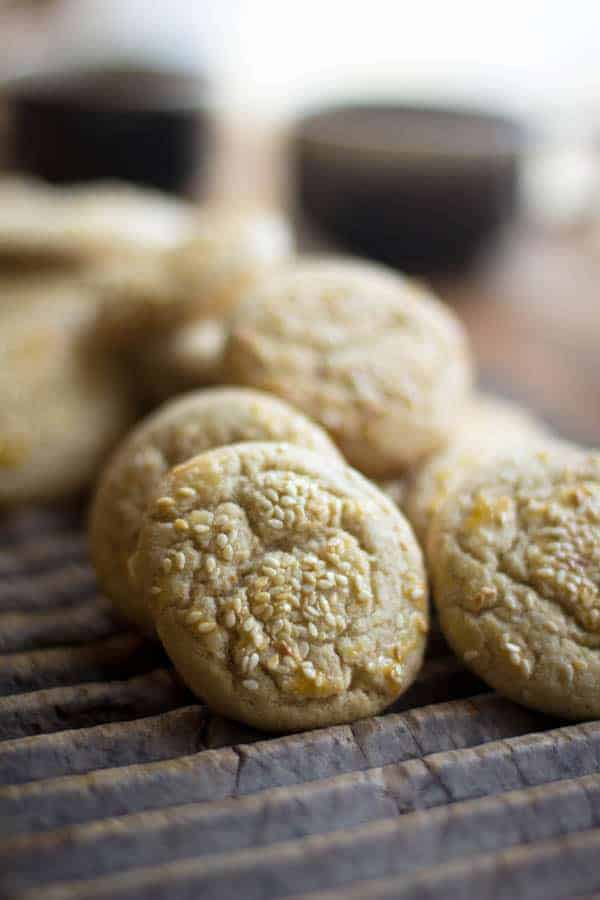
pixel 490 429
pixel 184 358
pixel 205 276
pixel 366 352
pixel 287 590
pixel 40 222
pixel 515 556
pixel 63 404
pixel 180 429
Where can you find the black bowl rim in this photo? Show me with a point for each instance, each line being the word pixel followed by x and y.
pixel 21 88
pixel 308 140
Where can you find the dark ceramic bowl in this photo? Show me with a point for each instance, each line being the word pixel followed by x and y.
pixel 141 125
pixel 423 188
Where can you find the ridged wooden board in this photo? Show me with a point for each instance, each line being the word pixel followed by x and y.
pixel 116 783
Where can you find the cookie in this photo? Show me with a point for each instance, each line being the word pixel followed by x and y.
pixel 364 351
pixel 40 222
pixel 205 276
pixel 515 556
pixel 287 590
pixel 186 357
pixel 180 429
pixel 63 403
pixel 490 429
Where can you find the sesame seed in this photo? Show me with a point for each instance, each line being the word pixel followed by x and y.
pixel 164 504
pixel 230 618
pixel 276 524
pixel 309 670
pixel 221 540
pixel 155 590
pixel 205 627
pixel 166 565
pixel 194 616
pixel 181 525
pixel 249 624
pixel 180 560
pixel 253 661
pixel 313 630
pixel 250 684
pixel 210 563
pixel 228 553
pixel 185 491
pixel 201 529
pixel 273 662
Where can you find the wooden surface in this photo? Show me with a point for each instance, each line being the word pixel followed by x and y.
pixel 116 783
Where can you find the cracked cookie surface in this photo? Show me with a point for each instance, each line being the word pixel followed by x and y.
pixel 490 429
pixel 180 429
pixel 515 556
pixel 370 355
pixel 287 590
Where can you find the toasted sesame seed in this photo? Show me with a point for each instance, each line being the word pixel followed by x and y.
pixel 181 525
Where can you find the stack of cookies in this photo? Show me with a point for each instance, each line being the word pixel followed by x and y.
pixel 274 526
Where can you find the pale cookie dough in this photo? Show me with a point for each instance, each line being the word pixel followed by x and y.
pixel 204 276
pixel 515 557
pixel 39 221
pixel 63 404
pixel 287 590
pixel 490 429
pixel 180 429
pixel 361 349
pixel 186 357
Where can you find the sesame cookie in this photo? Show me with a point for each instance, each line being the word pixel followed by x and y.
pixel 364 351
pixel 515 557
pixel 38 221
pixel 180 429
pixel 62 402
pixel 205 276
pixel 287 590
pixel 490 429
pixel 186 357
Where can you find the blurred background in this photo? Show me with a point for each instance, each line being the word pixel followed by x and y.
pixel 459 141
